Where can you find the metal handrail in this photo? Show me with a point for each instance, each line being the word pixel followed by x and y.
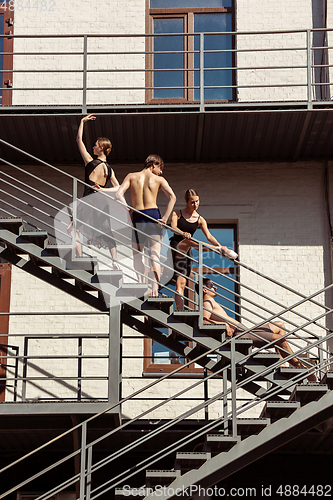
pixel 138 230
pixel 233 388
pixel 308 82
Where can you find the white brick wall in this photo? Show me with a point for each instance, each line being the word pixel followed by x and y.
pixel 80 17
pixel 272 16
pixel 128 17
pixel 282 231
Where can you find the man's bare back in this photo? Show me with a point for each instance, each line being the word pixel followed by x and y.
pixel 144 189
pixel 145 186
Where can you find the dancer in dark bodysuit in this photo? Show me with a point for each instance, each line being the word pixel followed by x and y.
pixel 94 210
pixel 188 221
pixel 94 214
pixel 183 264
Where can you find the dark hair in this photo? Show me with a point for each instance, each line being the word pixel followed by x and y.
pixel 205 282
pixel 154 160
pixel 190 192
pixel 105 143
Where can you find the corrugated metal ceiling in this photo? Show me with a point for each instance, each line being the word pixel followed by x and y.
pixel 220 136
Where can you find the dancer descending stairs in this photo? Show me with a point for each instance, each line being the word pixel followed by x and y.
pixel 30 251
pixel 289 405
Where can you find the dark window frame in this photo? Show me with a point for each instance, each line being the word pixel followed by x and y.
pixel 188 14
pixel 6 70
pixel 155 368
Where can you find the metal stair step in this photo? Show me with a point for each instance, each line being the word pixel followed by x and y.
pixel 250 426
pixel 160 477
pixel 312 391
pixel 12 224
pixel 279 409
pixel 188 317
pixel 163 303
pixel 328 380
pixel 191 459
pixel 217 443
pixel 290 371
pixel 39 238
pixel 266 358
pixel 132 290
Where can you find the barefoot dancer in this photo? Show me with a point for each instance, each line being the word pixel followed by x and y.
pixel 145 186
pixel 93 215
pixel 188 221
pixel 212 315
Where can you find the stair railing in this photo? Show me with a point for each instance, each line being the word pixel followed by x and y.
pixel 88 469
pixel 321 365
pixel 268 394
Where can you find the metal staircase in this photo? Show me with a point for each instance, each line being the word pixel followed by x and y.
pixel 289 405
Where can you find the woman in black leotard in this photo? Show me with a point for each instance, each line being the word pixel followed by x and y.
pixel 93 218
pixel 188 221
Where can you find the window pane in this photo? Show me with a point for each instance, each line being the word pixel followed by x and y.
pixel 188 4
pixel 205 23
pixel 225 236
pixel 1 50
pixel 168 61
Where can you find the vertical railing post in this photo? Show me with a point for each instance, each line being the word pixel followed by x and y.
pixel 84 83
pixel 89 464
pixel 202 74
pixel 83 460
pixel 200 286
pixel 225 401
pixel 25 369
pixel 309 68
pixel 74 220
pixel 79 369
pixel 233 387
pixel 206 396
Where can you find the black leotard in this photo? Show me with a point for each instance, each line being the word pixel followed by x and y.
pixel 94 215
pixel 182 264
pixel 88 170
pixel 185 226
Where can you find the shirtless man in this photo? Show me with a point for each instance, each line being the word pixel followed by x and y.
pixel 145 186
pixel 267 333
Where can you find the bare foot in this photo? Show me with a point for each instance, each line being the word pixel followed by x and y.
pixel 311 377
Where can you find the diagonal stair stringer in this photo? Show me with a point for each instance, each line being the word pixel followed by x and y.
pixel 251 449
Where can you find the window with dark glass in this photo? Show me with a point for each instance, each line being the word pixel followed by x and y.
pixel 177 25
pixel 157 358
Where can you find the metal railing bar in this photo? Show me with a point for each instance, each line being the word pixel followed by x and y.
pixel 25 212
pixel 34 197
pixel 152 35
pixel 172 447
pixel 34 189
pixel 198 433
pixel 149 384
pixel 67 356
pixel 265 370
pixel 32 175
pixel 259 306
pixel 43 222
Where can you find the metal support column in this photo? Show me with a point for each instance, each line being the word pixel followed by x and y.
pixel 114 373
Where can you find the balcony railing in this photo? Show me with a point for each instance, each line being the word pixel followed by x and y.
pixel 112 71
